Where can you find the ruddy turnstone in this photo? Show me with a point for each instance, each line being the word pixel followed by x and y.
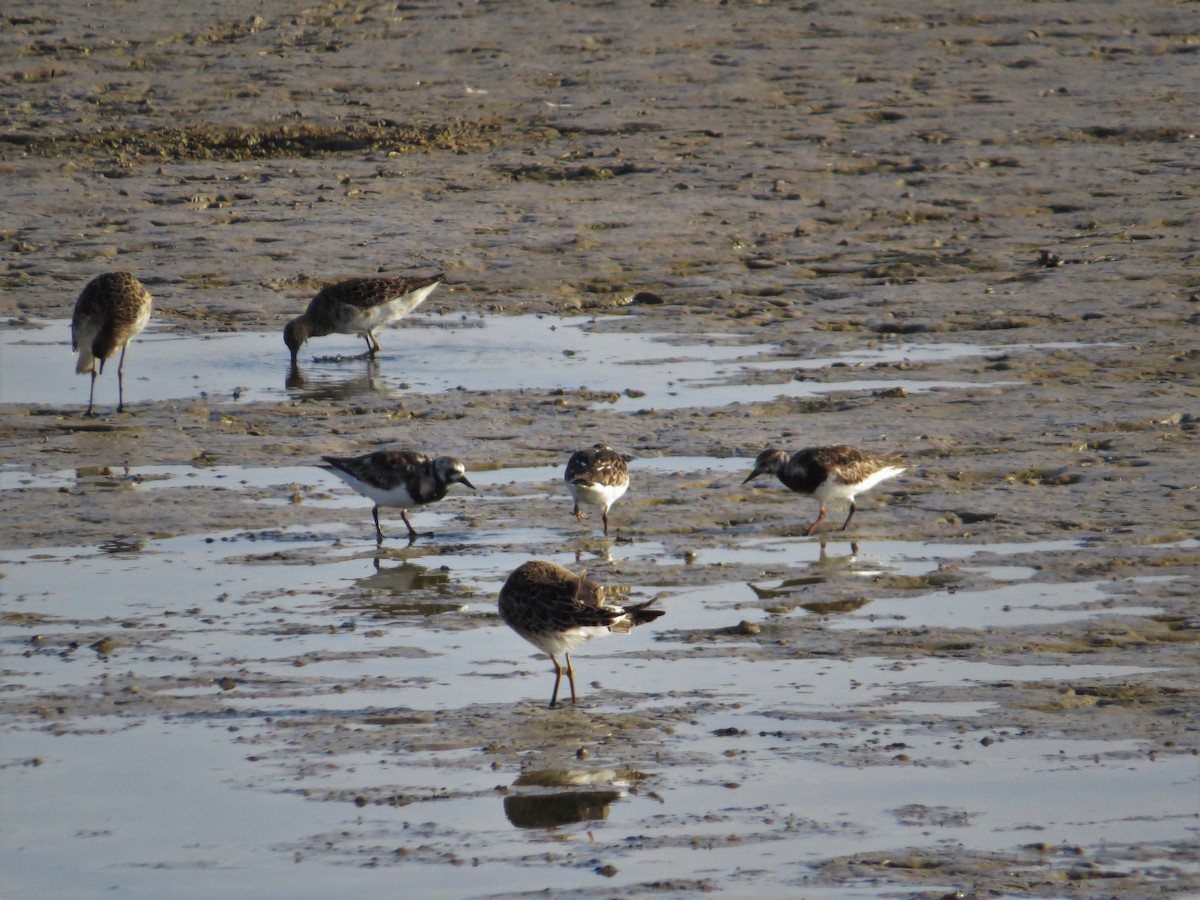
pixel 358 306
pixel 828 473
pixel 556 611
pixel 597 476
pixel 111 311
pixel 402 478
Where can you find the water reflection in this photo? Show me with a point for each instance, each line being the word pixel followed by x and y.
pixel 631 370
pixel 826 559
pixel 536 798
pixel 830 607
pixel 104 477
pixel 324 386
pixel 592 552
pixel 403 590
pixel 820 570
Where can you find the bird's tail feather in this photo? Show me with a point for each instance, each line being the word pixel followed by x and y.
pixel 85 362
pixel 640 613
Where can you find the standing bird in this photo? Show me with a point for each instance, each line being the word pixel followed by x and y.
pixel 402 478
pixel 358 306
pixel 597 476
pixel 828 473
pixel 556 611
pixel 111 311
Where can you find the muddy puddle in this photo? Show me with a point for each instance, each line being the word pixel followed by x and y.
pixel 330 698
pixel 638 370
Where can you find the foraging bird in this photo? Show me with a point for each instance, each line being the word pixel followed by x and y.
pixel 598 476
pixel 828 473
pixel 556 611
pixel 402 478
pixel 358 306
pixel 111 311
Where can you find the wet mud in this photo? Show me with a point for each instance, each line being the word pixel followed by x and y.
pixel 966 234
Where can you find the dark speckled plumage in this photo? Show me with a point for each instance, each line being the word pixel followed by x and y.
pixel 358 306
pixel 827 473
pixel 598 476
pixel 111 311
pixel 556 611
pixel 402 478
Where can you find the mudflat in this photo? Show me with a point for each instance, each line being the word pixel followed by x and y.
pixel 965 233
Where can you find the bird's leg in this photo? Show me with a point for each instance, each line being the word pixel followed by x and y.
pixel 557 679
pixel 820 519
pixel 579 513
pixel 91 393
pixel 571 677
pixel 849 517
pixel 378 530
pixel 606 523
pixel 121 381
pixel 372 345
pixel 412 532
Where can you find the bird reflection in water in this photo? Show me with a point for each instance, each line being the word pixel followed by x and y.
pixel 586 553
pixel 845 558
pixel 106 477
pixel 819 571
pixel 326 386
pixel 402 590
pixel 536 798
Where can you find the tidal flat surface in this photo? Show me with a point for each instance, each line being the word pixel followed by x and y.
pixel 965 233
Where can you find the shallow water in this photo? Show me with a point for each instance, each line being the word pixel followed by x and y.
pixel 640 370
pixel 352 632
pixel 109 834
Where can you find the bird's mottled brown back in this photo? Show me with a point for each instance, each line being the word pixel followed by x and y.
pixel 542 596
pixel 114 307
pixel 599 464
pixel 367 292
pixel 384 468
pixel 850 465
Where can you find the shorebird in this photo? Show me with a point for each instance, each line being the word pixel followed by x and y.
pixel 828 473
pixel 402 478
pixel 358 306
pixel 111 311
pixel 597 476
pixel 556 611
